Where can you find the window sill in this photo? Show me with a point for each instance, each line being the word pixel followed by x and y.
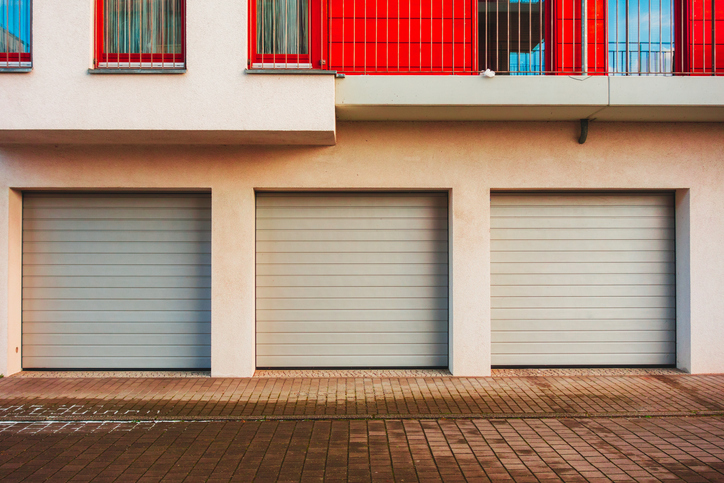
pixel 15 70
pixel 106 71
pixel 293 72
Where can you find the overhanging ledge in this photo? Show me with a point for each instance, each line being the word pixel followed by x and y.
pixel 151 137
pixel 529 98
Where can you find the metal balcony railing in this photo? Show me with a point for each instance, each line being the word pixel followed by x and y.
pixel 513 37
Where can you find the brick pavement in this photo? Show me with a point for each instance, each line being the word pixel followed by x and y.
pixel 208 398
pixel 522 450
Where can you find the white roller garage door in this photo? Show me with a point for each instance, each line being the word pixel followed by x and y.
pixel 352 280
pixel 116 281
pixel 583 279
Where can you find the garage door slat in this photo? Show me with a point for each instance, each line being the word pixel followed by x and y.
pixel 117 328
pixel 350 281
pixel 117 282
pixel 351 235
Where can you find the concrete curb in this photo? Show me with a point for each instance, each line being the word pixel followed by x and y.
pixel 335 417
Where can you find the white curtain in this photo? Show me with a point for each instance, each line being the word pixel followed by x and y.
pixel 281 27
pixel 143 26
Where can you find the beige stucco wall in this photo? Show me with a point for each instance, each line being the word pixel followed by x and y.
pixel 213 95
pixel 468 159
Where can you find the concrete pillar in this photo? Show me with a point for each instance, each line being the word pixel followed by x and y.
pixel 232 282
pixel 470 326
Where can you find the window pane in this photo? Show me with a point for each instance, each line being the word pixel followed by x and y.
pixel 14 26
pixel 640 36
pixel 281 27
pixel 511 36
pixel 143 26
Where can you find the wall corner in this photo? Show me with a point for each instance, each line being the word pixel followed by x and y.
pixel 683 280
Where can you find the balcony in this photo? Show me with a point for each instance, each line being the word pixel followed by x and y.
pixel 520 60
pixel 505 37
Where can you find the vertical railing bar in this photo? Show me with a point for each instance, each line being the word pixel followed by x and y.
pixel 409 35
pixel 322 42
pixel 431 32
pixel 364 24
pixel 387 36
pixel 541 43
pixel 117 4
pixel 563 34
pixel 172 26
pixel 519 15
pixel 660 63
pixel 6 34
pixel 595 38
pixel 274 47
pixel 354 35
pixel 163 35
pixel 96 54
pixel 285 34
pixel 128 31
pixel 377 34
pixel 692 41
pixel 530 36
pixel 554 34
pixel 442 35
pixel 344 21
pixel 584 37
pixel 638 33
pixel 703 37
pixel 649 43
pixel 497 35
pixel 627 26
pixel 713 37
pixel 260 25
pixel 507 33
pixel 487 33
pixel 573 38
pixel 562 18
pixel 20 35
pixel 141 10
pixel 465 44
pixel 21 47
pixel 616 44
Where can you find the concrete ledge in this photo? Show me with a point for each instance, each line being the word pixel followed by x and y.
pixel 530 98
pixel 411 97
pixel 149 137
pixel 689 91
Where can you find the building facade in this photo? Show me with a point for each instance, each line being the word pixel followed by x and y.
pixel 212 195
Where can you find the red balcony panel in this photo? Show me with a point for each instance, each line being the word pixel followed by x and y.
pixel 703 49
pixel 410 57
pixel 388 30
pixel 565 56
pixel 383 35
pixel 401 8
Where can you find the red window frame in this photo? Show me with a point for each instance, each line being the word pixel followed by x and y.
pixel 123 60
pixel 20 57
pixel 15 58
pixel 318 48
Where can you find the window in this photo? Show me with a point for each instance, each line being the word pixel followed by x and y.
pixel 140 34
pixel 15 34
pixel 280 34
